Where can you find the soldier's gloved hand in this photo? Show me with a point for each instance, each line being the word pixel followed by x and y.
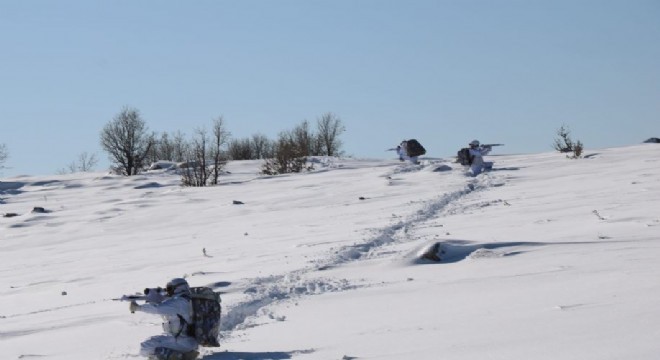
pixel 133 306
pixel 154 296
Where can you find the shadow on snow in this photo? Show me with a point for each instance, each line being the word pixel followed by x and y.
pixel 268 355
pixel 451 251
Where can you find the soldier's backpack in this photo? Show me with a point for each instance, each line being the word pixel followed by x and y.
pixel 205 327
pixel 463 157
pixel 414 148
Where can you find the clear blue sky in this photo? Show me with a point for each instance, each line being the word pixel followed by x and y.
pixel 443 72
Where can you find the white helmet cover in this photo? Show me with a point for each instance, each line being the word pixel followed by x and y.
pixel 178 286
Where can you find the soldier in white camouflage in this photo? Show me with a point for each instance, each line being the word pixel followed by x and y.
pixel 177 312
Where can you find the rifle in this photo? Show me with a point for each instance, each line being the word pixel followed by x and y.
pixel 151 295
pixel 130 298
pixel 491 145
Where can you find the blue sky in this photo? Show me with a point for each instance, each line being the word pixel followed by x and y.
pixel 443 72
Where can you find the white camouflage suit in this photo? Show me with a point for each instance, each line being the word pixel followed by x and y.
pixel 478 153
pixel 402 150
pixel 175 337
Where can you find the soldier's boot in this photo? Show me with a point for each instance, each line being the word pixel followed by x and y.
pixel 190 355
pixel 162 353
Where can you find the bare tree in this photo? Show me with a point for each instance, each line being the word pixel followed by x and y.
pixel 127 142
pixel 329 128
pixel 153 154
pixel 256 147
pixel 165 147
pixel 162 149
pixel 4 155
pixel 289 156
pixel 196 170
pixel 241 149
pixel 302 138
pixel 85 163
pixel 564 143
pixel 180 146
pixel 220 138
pixel 262 147
pixel 168 147
pixel 578 148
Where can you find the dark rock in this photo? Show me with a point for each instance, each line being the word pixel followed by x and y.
pixel 433 253
pixel 653 140
pixel 443 168
pixel 236 202
pixel 150 185
pixel 39 210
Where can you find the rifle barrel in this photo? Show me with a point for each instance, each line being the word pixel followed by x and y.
pixel 131 298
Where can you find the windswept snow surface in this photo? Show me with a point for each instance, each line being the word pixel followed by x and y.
pixel 542 258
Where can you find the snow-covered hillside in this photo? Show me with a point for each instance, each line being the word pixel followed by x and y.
pixel 541 258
